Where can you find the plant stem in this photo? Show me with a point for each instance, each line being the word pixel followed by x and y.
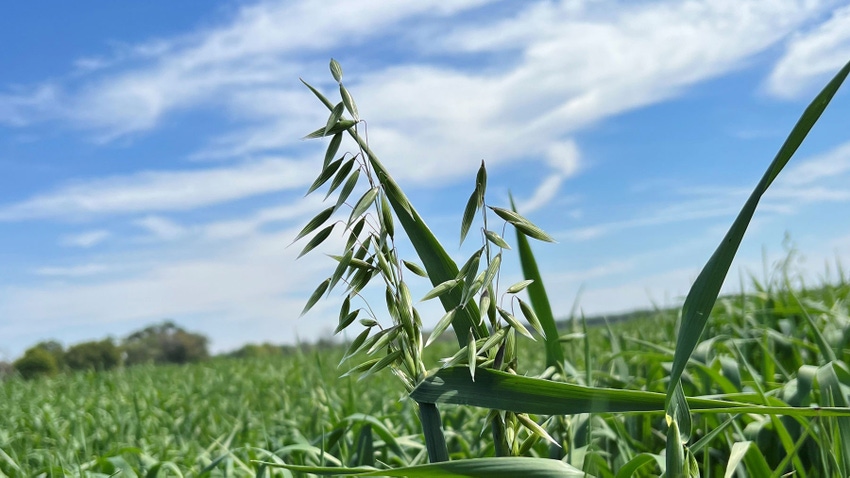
pixel 432 428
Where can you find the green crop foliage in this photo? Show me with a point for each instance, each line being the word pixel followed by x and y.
pixel 487 334
pixel 755 384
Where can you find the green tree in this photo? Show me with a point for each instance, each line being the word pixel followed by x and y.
pixel 55 349
pixel 164 343
pixel 93 355
pixel 257 351
pixel 36 361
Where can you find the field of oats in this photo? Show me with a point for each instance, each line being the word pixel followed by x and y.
pixel 227 417
pixel 750 385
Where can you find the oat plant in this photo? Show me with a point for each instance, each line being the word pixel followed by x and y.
pixel 486 322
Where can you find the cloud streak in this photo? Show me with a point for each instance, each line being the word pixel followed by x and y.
pixel 161 191
pixel 810 57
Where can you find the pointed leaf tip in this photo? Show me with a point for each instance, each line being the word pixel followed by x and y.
pixel 317 294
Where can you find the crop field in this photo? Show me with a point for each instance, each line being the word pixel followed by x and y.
pixel 756 384
pixel 226 416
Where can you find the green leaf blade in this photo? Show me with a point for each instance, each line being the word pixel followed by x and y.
pixel 317 294
pixel 703 294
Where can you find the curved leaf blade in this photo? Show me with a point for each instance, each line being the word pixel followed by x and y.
pixel 317 239
pixel 706 288
pixel 495 467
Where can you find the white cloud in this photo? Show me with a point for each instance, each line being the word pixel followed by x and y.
pixel 254 280
pixel 805 181
pixel 835 162
pixel 559 67
pixel 569 64
pixel 563 157
pixel 684 210
pixel 162 190
pixel 812 57
pixel 83 270
pixel 544 193
pixel 161 228
pixel 21 108
pixel 246 226
pixel 574 66
pixel 86 239
pixel 210 64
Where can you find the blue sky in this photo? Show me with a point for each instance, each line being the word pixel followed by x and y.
pixel 151 165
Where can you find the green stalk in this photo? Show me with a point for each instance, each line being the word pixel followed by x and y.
pixel 432 428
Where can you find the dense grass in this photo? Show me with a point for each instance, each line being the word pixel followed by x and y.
pixel 184 418
pixel 213 419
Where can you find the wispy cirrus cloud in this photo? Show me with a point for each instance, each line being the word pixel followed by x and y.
pixel 82 270
pixel 161 228
pixel 830 164
pixel 85 239
pixel 561 67
pixel 505 87
pixel 263 45
pixel 811 56
pixel 810 180
pixel 151 191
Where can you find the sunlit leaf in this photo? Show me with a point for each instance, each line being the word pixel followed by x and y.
pixel 513 322
pixel 496 239
pixel 364 203
pixel 441 326
pixel 493 467
pixel 381 364
pixel 355 345
pixel 531 317
pixel 440 289
pixel 317 294
pixel 387 336
pixel 522 224
pixel 333 148
pixel 349 102
pixel 347 188
pixel 362 367
pixel 340 176
pixel 333 119
pixel 519 286
pixel 346 321
pixel 471 354
pixel 535 428
pixel 336 70
pixel 341 126
pixel 387 216
pixel 415 268
pixel 469 214
pixel 317 239
pixel 344 262
pixel 318 94
pixel 326 174
pixel 314 223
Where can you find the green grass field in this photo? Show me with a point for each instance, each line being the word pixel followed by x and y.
pixel 222 417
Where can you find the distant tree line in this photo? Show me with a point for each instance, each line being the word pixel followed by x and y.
pixel 161 343
pixel 273 350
